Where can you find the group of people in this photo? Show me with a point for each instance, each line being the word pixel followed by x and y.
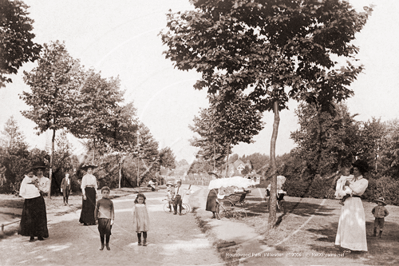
pixel 35 186
pixel 174 196
pixel 351 232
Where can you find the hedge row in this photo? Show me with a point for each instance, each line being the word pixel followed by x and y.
pixel 386 187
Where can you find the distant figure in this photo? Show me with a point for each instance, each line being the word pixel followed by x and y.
pixel 89 195
pixel 105 216
pixel 351 232
pixel 379 212
pixel 151 184
pixel 177 200
pixel 211 202
pixel 342 189
pixel 169 194
pixel 141 221
pixel 66 188
pixel 34 217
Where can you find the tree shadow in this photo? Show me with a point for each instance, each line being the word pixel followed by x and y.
pixel 304 209
pixel 381 251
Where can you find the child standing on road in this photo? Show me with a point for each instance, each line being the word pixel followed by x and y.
pixel 342 190
pixel 141 221
pixel 104 214
pixel 169 194
pixel 379 212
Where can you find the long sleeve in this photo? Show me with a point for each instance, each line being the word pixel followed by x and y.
pixel 22 188
pixel 359 187
pixel 44 184
pixel 112 211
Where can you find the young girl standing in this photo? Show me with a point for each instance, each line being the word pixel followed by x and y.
pixel 141 222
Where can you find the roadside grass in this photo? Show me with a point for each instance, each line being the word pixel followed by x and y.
pixel 309 228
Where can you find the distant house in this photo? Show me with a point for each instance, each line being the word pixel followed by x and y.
pixel 237 168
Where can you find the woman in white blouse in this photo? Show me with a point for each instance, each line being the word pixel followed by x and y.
pixel 34 218
pixel 89 194
pixel 351 233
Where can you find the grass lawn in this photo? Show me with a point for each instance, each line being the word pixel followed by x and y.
pixel 309 226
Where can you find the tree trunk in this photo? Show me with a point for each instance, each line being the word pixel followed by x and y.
pixel 227 160
pixel 273 190
pixel 120 170
pixel 51 163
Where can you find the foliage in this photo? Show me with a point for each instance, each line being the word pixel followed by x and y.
pixel 326 139
pixel 16 39
pixel 259 161
pixel 166 158
pixel 273 50
pixel 14 154
pixel 230 119
pixel 55 85
pixel 102 118
pixel 372 140
pixel 390 150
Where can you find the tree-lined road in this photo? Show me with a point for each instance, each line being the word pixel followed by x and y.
pixel 173 240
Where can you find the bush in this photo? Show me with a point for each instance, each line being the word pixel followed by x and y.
pixel 317 188
pixel 296 187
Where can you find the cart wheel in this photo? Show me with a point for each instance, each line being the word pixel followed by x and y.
pixel 166 208
pixel 220 211
pixel 239 214
pixel 186 209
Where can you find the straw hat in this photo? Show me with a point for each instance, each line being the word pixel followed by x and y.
pixel 382 200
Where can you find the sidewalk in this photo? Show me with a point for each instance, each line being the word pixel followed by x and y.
pixel 237 242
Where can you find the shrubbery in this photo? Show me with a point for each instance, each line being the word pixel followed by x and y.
pixel 386 187
pixel 317 188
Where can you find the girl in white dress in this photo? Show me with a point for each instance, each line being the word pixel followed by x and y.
pixel 141 221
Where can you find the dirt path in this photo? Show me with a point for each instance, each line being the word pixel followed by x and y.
pixel 173 240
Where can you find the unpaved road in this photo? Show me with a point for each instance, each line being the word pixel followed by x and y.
pixel 173 240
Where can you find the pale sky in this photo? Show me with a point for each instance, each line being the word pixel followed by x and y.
pixel 120 38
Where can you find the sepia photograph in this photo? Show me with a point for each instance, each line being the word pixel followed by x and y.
pixel 199 132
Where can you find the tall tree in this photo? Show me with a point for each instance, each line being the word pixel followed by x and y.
pixel 16 39
pixel 98 102
pixel 167 159
pixel 14 154
pixel 54 87
pixel 272 50
pixel 325 140
pixel 373 134
pixel 230 119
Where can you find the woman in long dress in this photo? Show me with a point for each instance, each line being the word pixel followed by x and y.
pixel 34 217
pixel 89 195
pixel 211 202
pixel 351 233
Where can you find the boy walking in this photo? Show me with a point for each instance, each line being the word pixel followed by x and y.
pixel 105 216
pixel 379 212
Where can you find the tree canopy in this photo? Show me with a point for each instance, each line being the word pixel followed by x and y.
pixel 16 39
pixel 271 50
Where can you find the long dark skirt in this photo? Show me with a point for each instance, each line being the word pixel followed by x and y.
pixel 88 207
pixel 211 201
pixel 34 218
